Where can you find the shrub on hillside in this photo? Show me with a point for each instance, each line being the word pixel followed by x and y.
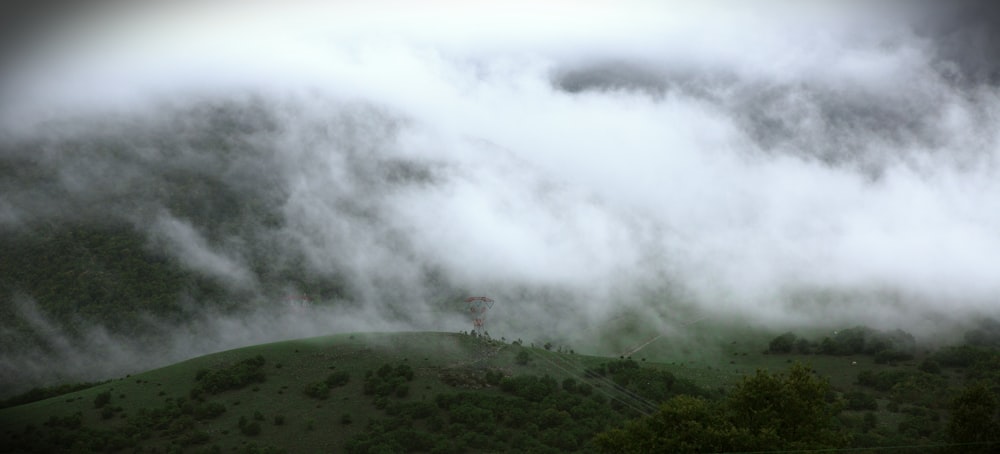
pixel 235 376
pixel 961 356
pixel 337 379
pixel 36 394
pixel 102 399
pixel 862 340
pixel 987 334
pixel 859 401
pixel 388 380
pixel 317 390
pixel 523 357
pixel 782 344
pixel 882 380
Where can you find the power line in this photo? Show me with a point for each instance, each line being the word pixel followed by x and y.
pixel 640 405
pixel 611 383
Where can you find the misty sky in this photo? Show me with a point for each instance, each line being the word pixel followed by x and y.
pixel 828 163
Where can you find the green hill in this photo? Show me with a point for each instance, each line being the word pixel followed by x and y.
pixel 452 392
pixel 158 410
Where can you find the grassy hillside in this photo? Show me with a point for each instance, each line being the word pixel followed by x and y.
pixel 440 363
pixel 447 392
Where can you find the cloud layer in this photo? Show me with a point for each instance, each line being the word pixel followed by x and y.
pixel 779 165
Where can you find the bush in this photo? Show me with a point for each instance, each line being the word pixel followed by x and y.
pixel 860 401
pixel 102 399
pixel 569 385
pixel 318 390
pixel 337 379
pixel 279 420
pixel 36 394
pixel 803 346
pixel 882 380
pixel 251 429
pixel 523 357
pixel 963 356
pixel 235 376
pixel 388 380
pixel 782 344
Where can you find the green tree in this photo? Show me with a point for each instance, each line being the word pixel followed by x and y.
pixel 782 344
pixel 793 407
pixel 683 424
pixel 974 418
pixel 523 357
pixel 765 411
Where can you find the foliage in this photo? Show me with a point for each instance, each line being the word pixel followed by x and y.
pixel 175 419
pixel 337 379
pixel 975 418
pixel 518 421
pixel 683 424
pixel 986 370
pixel 882 380
pixel 886 346
pixel 55 265
pixel 858 401
pixel 388 380
pixel 921 388
pixel 792 407
pixel 502 412
pixel 321 389
pixel 42 393
pixel 764 411
pixel 102 399
pixel 987 334
pixel 782 344
pixel 235 376
pixel 961 356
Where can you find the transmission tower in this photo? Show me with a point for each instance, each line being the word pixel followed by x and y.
pixel 477 307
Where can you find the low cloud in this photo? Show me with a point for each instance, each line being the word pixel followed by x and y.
pixel 677 162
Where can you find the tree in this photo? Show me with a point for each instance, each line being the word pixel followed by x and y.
pixel 793 407
pixel 683 424
pixel 765 411
pixel 782 344
pixel 974 418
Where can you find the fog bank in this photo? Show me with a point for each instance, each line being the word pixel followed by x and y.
pixel 781 165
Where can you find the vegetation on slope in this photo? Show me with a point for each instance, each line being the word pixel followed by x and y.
pixel 426 392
